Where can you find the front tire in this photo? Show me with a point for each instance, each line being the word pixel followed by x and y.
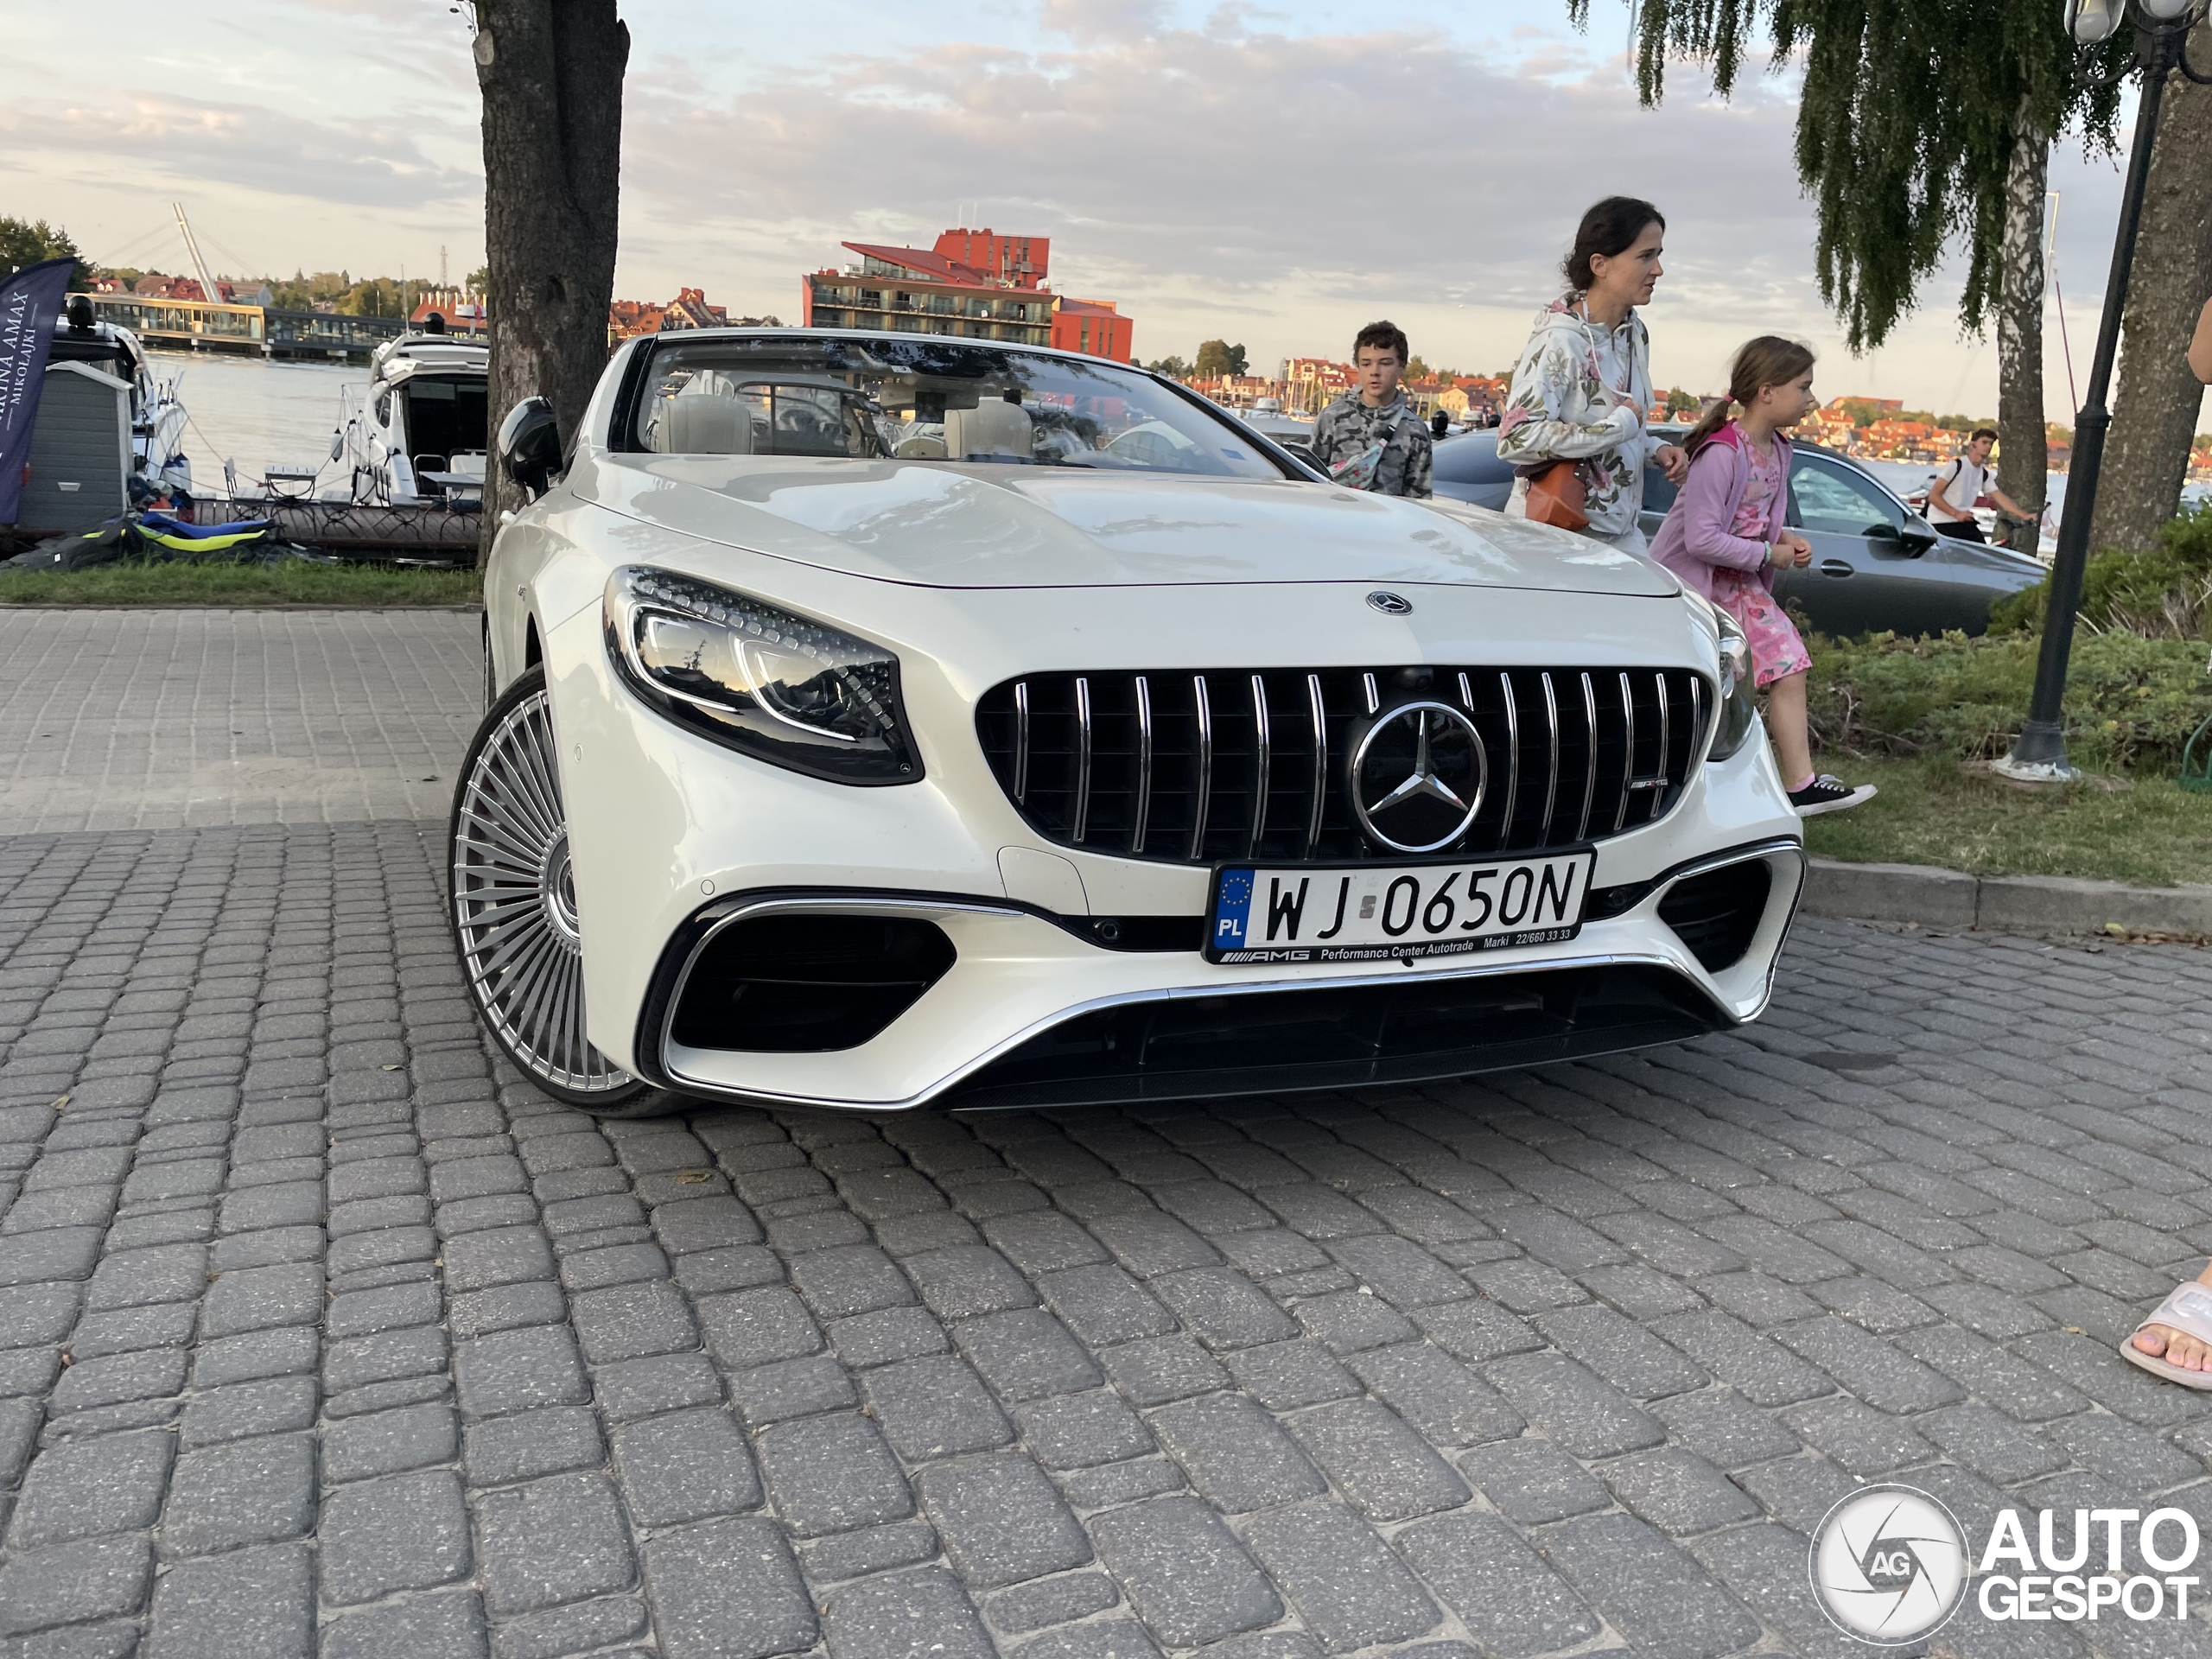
pixel 513 909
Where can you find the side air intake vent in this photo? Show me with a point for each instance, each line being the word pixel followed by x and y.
pixel 1715 914
pixel 793 984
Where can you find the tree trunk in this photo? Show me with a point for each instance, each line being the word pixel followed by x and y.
pixel 2154 416
pixel 2025 463
pixel 551 75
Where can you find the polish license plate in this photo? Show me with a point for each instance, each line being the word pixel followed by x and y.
pixel 1386 912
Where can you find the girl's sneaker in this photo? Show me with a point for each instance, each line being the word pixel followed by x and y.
pixel 1828 793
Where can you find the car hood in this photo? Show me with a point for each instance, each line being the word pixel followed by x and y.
pixel 942 525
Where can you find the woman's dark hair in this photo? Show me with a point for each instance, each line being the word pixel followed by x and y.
pixel 1769 360
pixel 1608 229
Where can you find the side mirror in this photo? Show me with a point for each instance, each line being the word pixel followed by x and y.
pixel 1918 535
pixel 530 446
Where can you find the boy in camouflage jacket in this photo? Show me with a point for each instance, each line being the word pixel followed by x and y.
pixel 1371 438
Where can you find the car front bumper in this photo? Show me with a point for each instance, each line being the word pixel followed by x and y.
pixel 677 839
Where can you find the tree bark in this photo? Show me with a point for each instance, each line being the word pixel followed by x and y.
pixel 551 73
pixel 2154 416
pixel 2020 436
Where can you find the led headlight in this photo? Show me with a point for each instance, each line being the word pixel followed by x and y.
pixel 1738 715
pixel 758 678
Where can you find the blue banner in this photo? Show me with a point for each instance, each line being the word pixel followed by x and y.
pixel 30 307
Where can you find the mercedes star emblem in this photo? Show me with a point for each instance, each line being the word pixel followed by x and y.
pixel 1418 777
pixel 1388 603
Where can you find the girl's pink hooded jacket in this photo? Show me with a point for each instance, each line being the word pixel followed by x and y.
pixel 1696 536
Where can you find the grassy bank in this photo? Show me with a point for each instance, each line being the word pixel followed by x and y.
pixel 297 583
pixel 1933 812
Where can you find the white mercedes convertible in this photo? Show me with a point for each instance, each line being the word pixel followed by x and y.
pixel 888 721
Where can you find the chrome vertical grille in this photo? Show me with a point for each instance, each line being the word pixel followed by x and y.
pixel 1211 764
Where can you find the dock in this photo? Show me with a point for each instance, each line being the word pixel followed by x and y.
pixel 249 330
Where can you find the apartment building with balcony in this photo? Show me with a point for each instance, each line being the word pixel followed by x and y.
pixel 974 283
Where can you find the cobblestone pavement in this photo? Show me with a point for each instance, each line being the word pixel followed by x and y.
pixel 157 719
pixel 323 1331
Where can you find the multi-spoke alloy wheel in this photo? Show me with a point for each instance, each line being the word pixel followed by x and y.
pixel 514 904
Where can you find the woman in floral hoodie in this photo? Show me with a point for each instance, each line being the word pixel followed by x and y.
pixel 1584 380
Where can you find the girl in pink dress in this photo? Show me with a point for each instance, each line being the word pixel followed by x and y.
pixel 1729 533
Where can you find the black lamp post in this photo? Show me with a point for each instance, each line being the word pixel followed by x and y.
pixel 2161 40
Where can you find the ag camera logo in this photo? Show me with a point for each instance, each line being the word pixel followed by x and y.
pixel 1889 1565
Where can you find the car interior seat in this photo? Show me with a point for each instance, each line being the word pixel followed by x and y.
pixel 704 423
pixel 993 429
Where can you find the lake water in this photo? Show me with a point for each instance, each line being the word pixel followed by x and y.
pixel 254 411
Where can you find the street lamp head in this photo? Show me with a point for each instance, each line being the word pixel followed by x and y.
pixel 2167 12
pixel 2090 22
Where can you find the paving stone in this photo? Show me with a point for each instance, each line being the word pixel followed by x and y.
pixel 935 1408
pixel 1653 1591
pixel 519 1370
pixel 1533 1481
pixel 573 1629
pixel 831 1474
pixel 685 1466
pixel 447 1626
pixel 405 1532
pixel 1723 1428
pixel 633 1321
pixel 257 1491
pixel 1117 1639
pixel 1582 1411
pixel 1677 1491
pixel 530 1444
pixel 644 1387
pixel 1235 1454
pixel 389 1443
pixel 557 1540
pixel 253 1604
pixel 1288 1374
pixel 1346 1585
pixel 888 1618
pixel 1380 1463
pixel 65 1584
pixel 1184 1571
pixel 727 1589
pixel 1440 1397
pixel 110 1483
pixel 871 1550
pixel 1083 1430
pixel 1152 1373
pixel 1501 1590
pixel 1026 1353
pixel 1867 1442
pixel 1001 1520
pixel 1103 1304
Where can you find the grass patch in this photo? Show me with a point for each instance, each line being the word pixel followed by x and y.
pixel 1932 811
pixel 297 582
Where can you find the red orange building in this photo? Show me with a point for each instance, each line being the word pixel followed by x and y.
pixel 974 282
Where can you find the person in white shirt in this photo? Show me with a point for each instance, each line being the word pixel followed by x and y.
pixel 1965 481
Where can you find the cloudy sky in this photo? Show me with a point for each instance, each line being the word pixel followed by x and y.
pixel 1277 173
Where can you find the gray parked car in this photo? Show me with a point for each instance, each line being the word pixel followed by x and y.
pixel 1876 564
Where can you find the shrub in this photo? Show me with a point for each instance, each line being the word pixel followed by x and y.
pixel 2130 702
pixel 2166 594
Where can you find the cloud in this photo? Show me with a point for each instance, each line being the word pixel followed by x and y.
pixel 1264 179
pixel 172 140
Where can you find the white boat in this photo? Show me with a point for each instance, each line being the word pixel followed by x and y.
pixel 103 419
pixel 416 436
pixel 1266 417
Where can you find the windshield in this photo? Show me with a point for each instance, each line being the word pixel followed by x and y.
pixel 926 399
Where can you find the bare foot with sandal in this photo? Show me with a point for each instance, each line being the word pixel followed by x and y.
pixel 2176 1341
